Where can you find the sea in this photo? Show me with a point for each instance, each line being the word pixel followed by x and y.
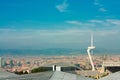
pixel 56 52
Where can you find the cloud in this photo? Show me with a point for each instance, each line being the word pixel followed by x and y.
pixel 73 22
pixel 102 9
pixel 114 21
pixel 100 6
pixel 96 2
pixel 63 7
pixel 77 23
pixel 80 24
pixel 106 24
pixel 96 21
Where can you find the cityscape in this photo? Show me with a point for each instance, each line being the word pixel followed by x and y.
pixel 59 40
pixel 28 63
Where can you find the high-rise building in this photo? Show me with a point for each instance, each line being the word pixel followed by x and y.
pixel 0 62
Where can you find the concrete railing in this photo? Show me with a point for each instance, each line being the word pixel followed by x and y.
pixel 107 64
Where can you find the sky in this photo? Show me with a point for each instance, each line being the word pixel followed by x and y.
pixel 40 24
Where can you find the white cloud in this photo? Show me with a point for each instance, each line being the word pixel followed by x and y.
pixel 106 24
pixel 81 25
pixel 101 7
pixel 96 21
pixel 74 22
pixel 96 2
pixel 114 21
pixel 62 7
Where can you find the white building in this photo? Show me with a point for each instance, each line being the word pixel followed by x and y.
pixel 0 62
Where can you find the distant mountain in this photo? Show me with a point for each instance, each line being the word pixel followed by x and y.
pixel 54 51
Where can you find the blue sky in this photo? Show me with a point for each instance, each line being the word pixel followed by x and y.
pixel 36 24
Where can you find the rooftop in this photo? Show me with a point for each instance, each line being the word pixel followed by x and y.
pixel 57 75
pixel 49 75
pixel 114 76
pixel 67 76
pixel 34 76
pixel 4 74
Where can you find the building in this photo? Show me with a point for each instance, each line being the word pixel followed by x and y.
pixel 110 66
pixel 1 62
pixel 61 66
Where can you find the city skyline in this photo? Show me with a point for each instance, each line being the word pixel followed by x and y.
pixel 59 24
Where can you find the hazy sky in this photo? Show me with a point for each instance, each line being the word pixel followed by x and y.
pixel 36 24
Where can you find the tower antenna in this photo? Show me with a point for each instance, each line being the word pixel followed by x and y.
pixel 91 39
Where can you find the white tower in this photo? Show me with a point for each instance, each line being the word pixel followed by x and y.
pixel 89 54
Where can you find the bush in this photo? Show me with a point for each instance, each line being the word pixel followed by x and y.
pixel 40 69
